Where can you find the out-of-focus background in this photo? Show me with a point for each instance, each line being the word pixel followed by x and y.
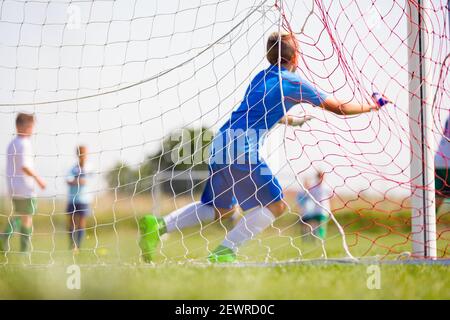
pixel 141 83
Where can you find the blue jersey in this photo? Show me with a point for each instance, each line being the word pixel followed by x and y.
pixel 239 139
pixel 78 193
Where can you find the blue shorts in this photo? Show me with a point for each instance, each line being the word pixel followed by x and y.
pixel 249 185
pixel 78 208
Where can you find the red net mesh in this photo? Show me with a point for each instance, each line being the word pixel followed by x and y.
pixel 122 76
pixel 360 48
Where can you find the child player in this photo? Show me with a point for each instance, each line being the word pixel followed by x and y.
pixel 21 179
pixel 315 216
pixel 238 175
pixel 78 205
pixel 441 159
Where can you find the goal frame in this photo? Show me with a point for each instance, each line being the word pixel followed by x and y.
pixel 423 205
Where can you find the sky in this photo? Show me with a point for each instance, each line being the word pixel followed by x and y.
pixel 119 76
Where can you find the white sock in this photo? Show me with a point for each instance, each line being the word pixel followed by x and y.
pixel 252 224
pixel 189 216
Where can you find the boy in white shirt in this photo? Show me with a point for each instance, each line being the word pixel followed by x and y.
pixel 21 179
pixel 441 159
pixel 313 214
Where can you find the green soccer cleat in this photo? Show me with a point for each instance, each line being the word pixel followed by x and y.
pixel 149 228
pixel 222 254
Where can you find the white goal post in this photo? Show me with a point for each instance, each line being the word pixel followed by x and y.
pixel 423 213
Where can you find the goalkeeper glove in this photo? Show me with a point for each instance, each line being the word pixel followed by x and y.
pixel 298 122
pixel 380 99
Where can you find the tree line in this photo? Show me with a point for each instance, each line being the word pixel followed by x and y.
pixel 183 150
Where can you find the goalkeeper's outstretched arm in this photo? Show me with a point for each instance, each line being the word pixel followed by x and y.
pixel 347 108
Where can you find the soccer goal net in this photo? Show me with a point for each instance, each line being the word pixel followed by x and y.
pixel 139 88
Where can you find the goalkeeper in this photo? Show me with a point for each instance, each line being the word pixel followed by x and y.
pixel 238 175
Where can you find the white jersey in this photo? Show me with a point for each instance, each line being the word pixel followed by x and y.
pixel 442 156
pixel 19 155
pixel 321 194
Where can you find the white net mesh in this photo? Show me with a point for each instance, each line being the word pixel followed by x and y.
pixel 122 78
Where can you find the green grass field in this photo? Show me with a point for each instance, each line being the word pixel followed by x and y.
pixel 190 282
pixel 110 265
